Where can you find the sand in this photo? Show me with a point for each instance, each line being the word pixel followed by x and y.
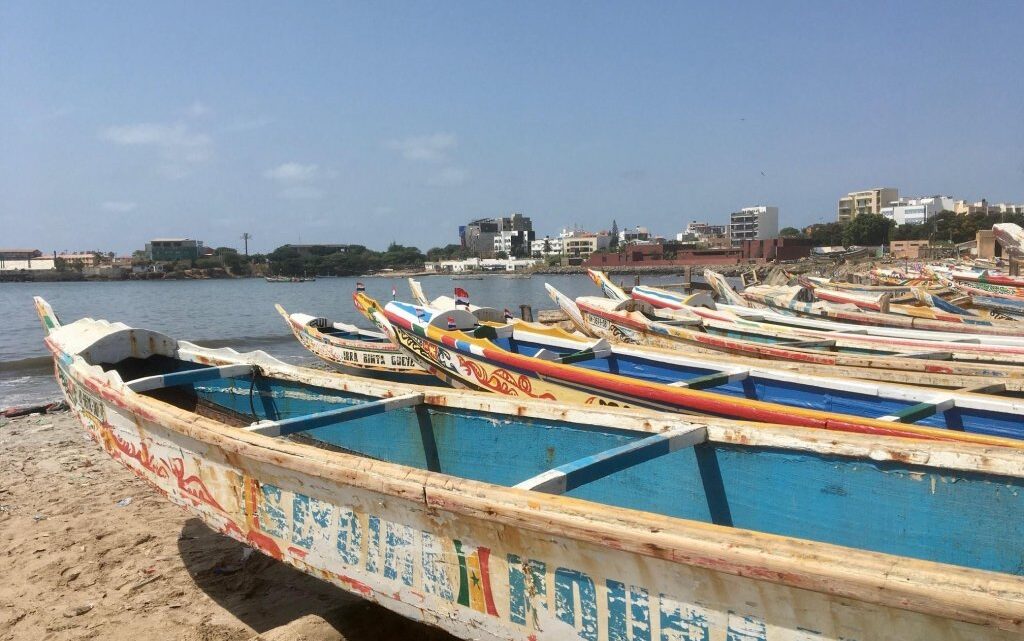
pixel 89 551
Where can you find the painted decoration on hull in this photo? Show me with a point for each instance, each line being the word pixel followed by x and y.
pixel 467 372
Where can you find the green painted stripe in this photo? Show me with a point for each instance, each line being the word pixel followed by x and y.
pixel 708 380
pixel 914 412
pixel 463 575
pixel 577 357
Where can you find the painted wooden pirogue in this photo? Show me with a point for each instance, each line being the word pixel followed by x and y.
pixel 782 298
pixel 500 518
pixel 637 323
pixel 731 301
pixel 509 359
pixel 366 352
pixel 602 320
pixel 851 354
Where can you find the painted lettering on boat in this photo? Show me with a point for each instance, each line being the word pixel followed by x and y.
pixel 79 398
pixel 519 589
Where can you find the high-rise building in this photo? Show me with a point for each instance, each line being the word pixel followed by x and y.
pixel 753 223
pixel 486 236
pixel 869 201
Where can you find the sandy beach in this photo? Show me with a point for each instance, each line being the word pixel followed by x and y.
pixel 90 552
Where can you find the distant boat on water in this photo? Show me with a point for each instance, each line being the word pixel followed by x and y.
pixel 289 279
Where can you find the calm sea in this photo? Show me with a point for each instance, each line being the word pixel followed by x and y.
pixel 233 313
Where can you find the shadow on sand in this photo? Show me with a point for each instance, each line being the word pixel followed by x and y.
pixel 265 594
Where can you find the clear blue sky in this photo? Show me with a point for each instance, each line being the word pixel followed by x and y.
pixel 374 122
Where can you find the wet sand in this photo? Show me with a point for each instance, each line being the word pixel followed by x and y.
pixel 90 552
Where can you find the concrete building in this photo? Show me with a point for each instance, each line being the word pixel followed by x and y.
pixel 170 249
pixel 635 235
pixel 869 201
pixel 583 245
pixel 513 243
pixel 479 265
pixel 985 208
pixel 909 249
pixel 753 223
pixel 19 254
pixel 546 246
pixel 914 211
pixel 479 235
pixel 703 233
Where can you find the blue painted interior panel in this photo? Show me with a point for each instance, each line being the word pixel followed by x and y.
pixel 972 520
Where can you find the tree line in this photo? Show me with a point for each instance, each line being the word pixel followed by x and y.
pixel 357 259
pixel 873 229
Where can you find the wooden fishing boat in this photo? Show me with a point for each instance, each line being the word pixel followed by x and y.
pixel 289 279
pixel 767 326
pixel 578 523
pixel 784 299
pixel 821 353
pixel 358 350
pixel 513 360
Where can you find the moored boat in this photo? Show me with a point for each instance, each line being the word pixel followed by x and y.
pixel 577 523
pixel 362 351
pixel 510 359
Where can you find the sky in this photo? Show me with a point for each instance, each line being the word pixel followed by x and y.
pixel 377 122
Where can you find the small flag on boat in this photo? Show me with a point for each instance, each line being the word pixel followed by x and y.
pixel 461 297
pixel 508 315
pixel 360 287
pixel 393 293
pixel 451 322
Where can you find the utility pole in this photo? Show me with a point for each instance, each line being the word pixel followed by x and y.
pixel 245 237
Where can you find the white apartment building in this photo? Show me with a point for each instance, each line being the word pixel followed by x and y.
pixel 637 234
pixel 753 223
pixel 914 211
pixel 508 240
pixel 554 246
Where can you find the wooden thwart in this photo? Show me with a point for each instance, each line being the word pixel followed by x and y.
pixel 917 412
pixel 288 426
pixel 187 377
pixel 591 468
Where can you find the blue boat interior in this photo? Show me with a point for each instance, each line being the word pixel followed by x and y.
pixel 788 393
pixel 965 519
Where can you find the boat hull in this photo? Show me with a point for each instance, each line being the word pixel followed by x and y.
pixel 380 360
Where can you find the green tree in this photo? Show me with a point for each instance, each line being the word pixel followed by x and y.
pixel 614 243
pixel 867 229
pixel 790 232
pixel 826 234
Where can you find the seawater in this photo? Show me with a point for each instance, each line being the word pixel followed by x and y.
pixel 229 313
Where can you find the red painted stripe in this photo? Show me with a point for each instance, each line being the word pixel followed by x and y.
pixel 484 555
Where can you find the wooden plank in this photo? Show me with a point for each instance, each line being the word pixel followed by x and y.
pixel 591 468
pixel 349 412
pixel 712 380
pixel 188 376
pixel 993 388
pixel 917 412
